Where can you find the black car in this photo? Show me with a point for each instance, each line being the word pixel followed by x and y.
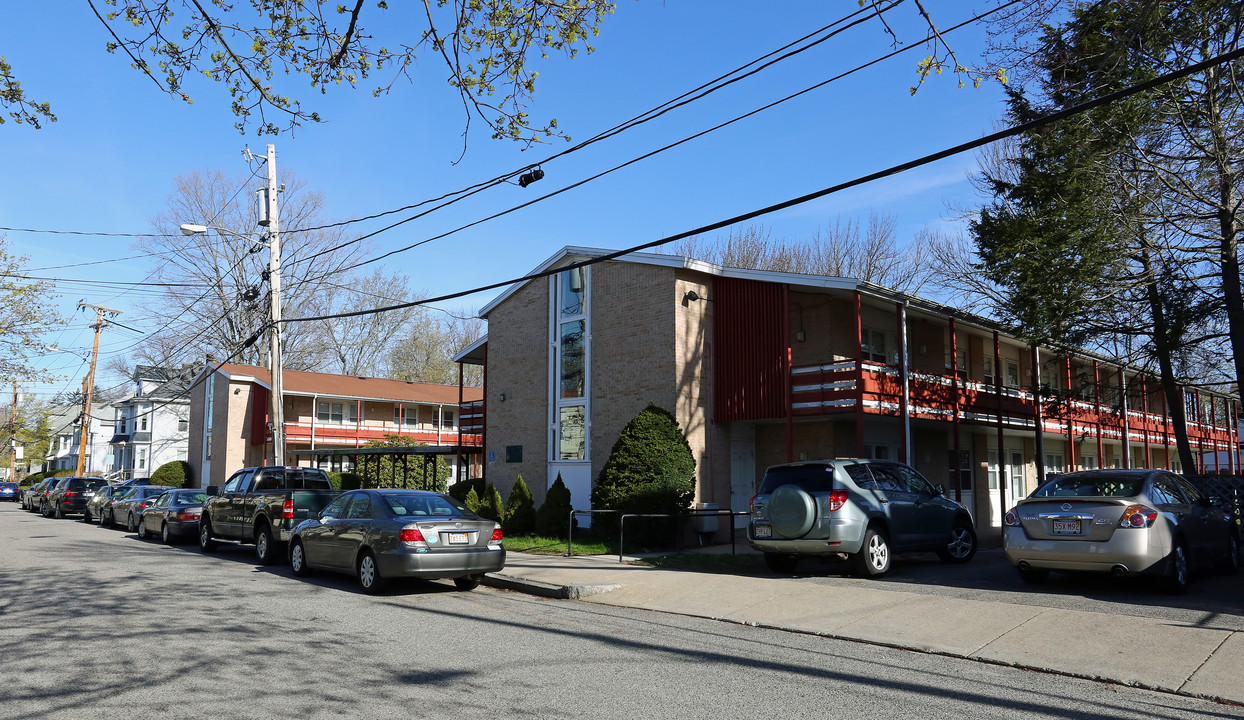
pixel 173 515
pixel 45 501
pixel 71 496
pixel 104 497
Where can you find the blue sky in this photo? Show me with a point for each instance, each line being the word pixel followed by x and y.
pixel 107 165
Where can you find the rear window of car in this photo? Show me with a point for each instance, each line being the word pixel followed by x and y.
pixel 146 492
pixel 8 485
pixel 421 505
pixel 194 498
pixel 809 478
pixel 95 484
pixel 1092 486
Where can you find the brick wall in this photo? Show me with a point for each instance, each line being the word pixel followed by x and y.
pixel 518 362
pixel 633 349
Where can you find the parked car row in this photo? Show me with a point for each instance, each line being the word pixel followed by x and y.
pixel 293 514
pixel 1121 522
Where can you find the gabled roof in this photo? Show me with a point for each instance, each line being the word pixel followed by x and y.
pixel 297 382
pixel 164 383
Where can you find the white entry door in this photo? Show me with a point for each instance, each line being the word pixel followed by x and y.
pixel 742 469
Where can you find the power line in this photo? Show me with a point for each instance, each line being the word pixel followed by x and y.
pixel 862 180
pixel 632 161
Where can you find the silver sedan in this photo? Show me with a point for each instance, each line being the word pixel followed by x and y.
pixel 1121 522
pixel 378 535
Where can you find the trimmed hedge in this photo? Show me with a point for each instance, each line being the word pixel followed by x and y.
pixel 176 474
pixel 553 517
pixel 520 510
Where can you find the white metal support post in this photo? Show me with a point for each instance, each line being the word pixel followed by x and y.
pixel 274 279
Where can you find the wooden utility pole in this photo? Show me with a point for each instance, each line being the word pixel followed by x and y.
pixel 13 445
pixel 88 384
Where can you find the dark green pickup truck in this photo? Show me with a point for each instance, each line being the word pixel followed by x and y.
pixel 261 505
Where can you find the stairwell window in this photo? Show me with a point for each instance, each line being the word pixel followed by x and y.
pixel 873 345
pixel 571 331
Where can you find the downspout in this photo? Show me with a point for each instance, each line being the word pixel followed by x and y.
pixel 1144 414
pixel 315 413
pixel 1127 423
pixel 904 370
pixel 997 386
pixel 1071 406
pixel 1039 409
pixel 954 382
pixel 458 453
pixel 788 389
pixel 1101 458
pixel 859 379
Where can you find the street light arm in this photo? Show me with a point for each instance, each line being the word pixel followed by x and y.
pixel 190 229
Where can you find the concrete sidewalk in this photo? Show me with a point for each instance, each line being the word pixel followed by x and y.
pixel 1199 660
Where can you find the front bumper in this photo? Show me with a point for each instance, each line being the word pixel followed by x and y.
pixel 1136 550
pixel 431 565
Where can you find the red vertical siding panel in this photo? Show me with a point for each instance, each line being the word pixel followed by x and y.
pixel 749 327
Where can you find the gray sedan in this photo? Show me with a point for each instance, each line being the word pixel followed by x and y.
pixel 378 535
pixel 173 515
pixel 1120 522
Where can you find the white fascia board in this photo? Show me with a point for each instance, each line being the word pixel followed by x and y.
pixel 470 348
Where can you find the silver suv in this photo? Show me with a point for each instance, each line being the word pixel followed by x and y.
pixel 862 509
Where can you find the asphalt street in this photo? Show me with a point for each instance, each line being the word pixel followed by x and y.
pixel 96 623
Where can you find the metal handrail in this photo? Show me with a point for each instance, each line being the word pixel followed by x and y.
pixel 629 514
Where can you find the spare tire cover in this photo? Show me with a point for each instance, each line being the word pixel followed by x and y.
pixel 791 511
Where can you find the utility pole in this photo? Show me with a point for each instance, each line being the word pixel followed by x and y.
pixel 270 216
pixel 13 446
pixel 88 384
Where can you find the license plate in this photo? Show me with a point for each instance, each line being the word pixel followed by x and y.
pixel 1066 527
pixel 763 531
pixel 457 538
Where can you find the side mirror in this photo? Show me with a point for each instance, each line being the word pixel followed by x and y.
pixel 212 490
pixel 939 489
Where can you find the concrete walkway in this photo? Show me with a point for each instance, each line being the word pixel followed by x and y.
pixel 1199 660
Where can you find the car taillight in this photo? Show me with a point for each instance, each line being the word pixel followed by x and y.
pixel 187 516
pixel 410 535
pixel 496 536
pixel 1138 516
pixel 70 494
pixel 1011 519
pixel 751 504
pixel 287 510
pixel 837 498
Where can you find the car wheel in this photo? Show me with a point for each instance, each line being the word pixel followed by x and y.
pixel 469 582
pixel 1231 560
pixel 143 533
pixel 105 518
pixel 962 545
pixel 265 547
pixel 1032 575
pixel 165 536
pixel 130 523
pixel 781 562
pixel 43 510
pixel 298 560
pixel 59 512
pixel 369 574
pixel 206 543
pixel 1177 574
pixel 86 516
pixel 873 559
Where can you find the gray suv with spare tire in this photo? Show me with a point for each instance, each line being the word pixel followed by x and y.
pixel 865 510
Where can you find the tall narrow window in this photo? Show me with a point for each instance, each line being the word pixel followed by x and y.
pixel 570 365
pixel 872 343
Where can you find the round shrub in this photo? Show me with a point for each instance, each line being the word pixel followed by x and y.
pixel 650 470
pixel 172 474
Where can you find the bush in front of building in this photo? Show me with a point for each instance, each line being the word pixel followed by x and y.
pixel 460 489
pixel 471 501
pixel 175 473
pixel 491 505
pixel 650 470
pixel 520 511
pixel 553 517
pixel 31 479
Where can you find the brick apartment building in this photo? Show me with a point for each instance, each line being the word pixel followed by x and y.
pixel 765 367
pixel 326 415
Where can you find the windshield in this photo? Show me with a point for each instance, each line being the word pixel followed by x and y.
pixel 1092 485
pixel 420 505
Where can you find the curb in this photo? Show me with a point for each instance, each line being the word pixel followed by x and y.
pixel 543 589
